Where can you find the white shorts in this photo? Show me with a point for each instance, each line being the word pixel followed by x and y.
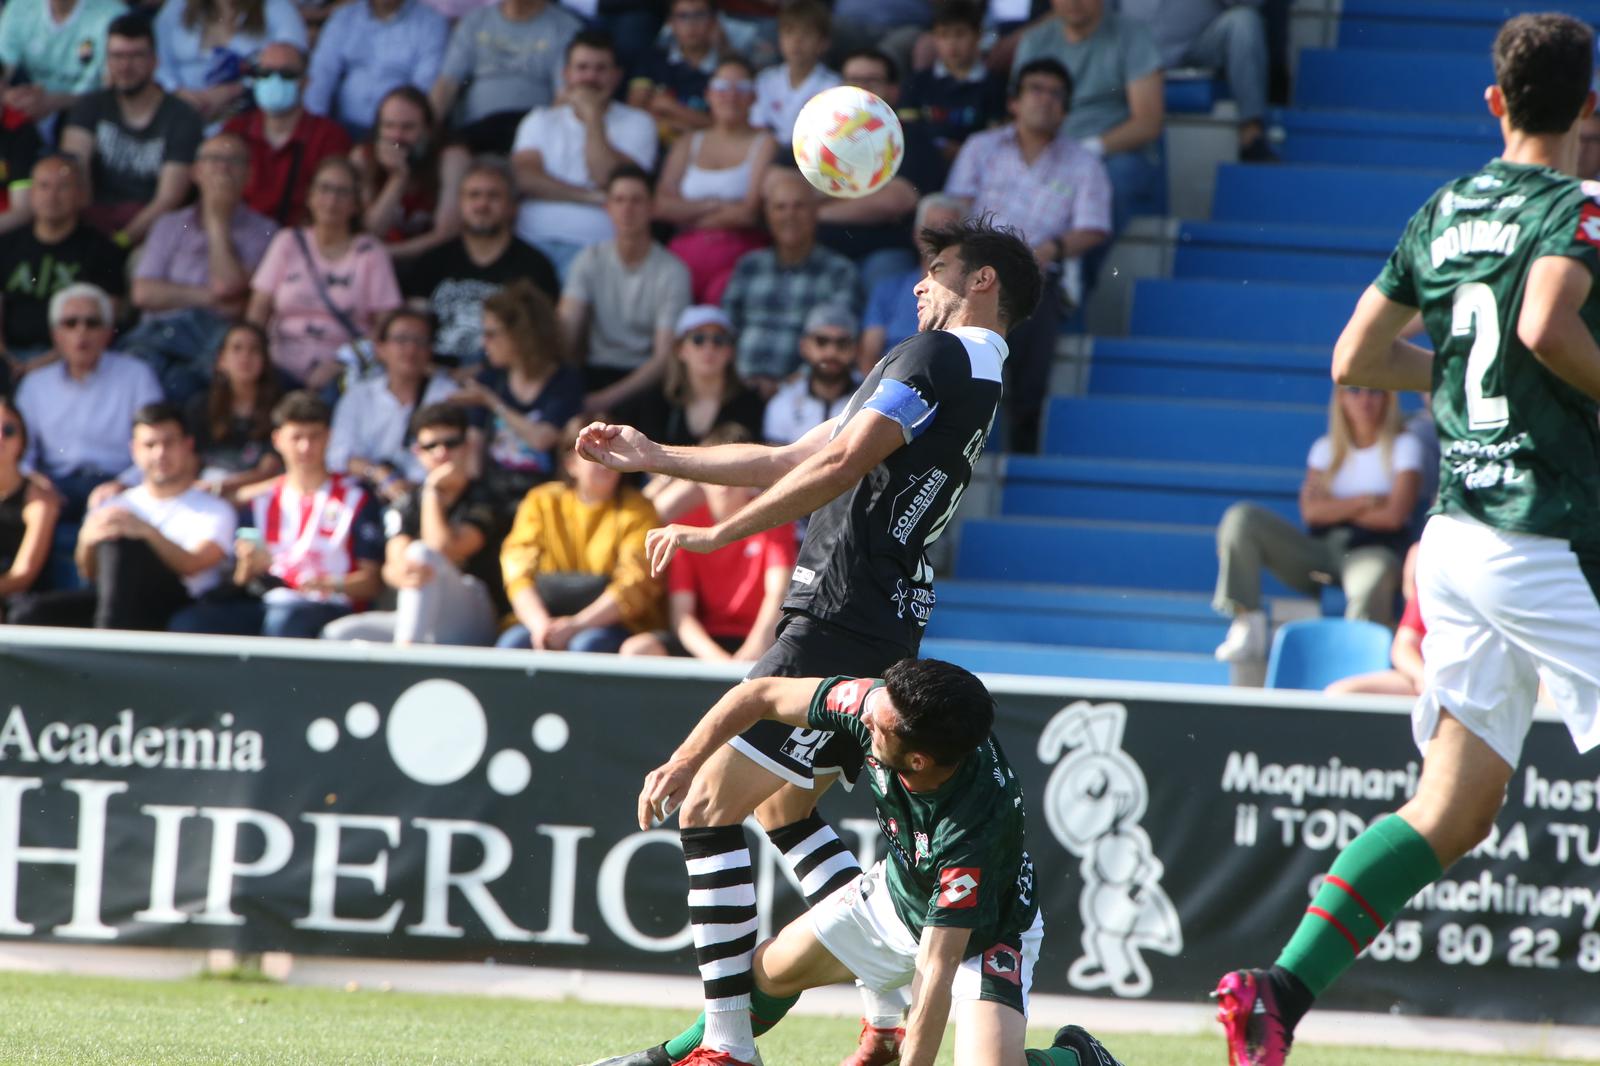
pixel 1504 610
pixel 859 926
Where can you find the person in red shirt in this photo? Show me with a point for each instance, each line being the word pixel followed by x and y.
pixel 286 141
pixel 724 605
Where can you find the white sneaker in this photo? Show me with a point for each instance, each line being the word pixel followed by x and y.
pixel 1246 640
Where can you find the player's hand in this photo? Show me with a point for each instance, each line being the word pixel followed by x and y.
pixel 662 544
pixel 663 792
pixel 622 448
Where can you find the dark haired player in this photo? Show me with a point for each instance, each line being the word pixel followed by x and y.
pixel 1502 265
pixel 952 908
pixel 880 482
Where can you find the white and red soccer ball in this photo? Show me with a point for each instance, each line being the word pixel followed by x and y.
pixel 848 142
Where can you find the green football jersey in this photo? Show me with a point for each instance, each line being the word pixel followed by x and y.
pixel 956 854
pixel 1519 448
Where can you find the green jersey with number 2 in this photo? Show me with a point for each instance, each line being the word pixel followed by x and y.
pixel 1519 448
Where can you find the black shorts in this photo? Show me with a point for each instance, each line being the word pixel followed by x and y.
pixel 808 647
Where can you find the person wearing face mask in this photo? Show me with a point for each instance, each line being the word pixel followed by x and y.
pixel 285 141
pixel 411 184
pixel 136 140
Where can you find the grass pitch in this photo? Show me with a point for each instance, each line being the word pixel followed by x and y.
pixel 97 1022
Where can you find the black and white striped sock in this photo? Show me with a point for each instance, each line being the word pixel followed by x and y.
pixel 722 912
pixel 817 857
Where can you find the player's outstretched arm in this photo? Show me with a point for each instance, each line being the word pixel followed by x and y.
pixel 1550 324
pixel 1370 352
pixel 939 953
pixel 783 699
pixel 752 465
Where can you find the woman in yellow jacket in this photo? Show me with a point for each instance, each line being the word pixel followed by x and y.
pixel 574 562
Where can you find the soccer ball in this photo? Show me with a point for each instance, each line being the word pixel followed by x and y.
pixel 848 142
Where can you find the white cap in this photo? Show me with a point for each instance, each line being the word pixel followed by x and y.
pixel 699 315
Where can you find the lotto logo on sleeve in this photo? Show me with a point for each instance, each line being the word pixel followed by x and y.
pixel 846 697
pixel 1589 224
pixel 958 887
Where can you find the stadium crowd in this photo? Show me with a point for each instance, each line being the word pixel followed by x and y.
pixel 301 303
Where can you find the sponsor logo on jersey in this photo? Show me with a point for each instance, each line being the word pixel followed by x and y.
pixel 894 827
pixel 958 887
pixel 919 601
pixel 1486 181
pixel 913 502
pixel 923 851
pixel 803 575
pixel 1450 203
pixel 1005 962
pixel 1589 225
pixel 848 697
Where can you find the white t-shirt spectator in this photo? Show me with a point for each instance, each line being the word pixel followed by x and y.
pixel 777 105
pixel 190 520
pixel 793 411
pixel 1363 472
pixel 558 135
pixel 627 306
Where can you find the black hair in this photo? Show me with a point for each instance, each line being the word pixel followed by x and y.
pixel 159 414
pixel 945 712
pixel 598 39
pixel 891 69
pixel 1544 65
pixel 445 415
pixel 301 407
pixel 958 13
pixel 134 27
pixel 980 243
pixel 1050 68
pixel 630 172
pixel 404 313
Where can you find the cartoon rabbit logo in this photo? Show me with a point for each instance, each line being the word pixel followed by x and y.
pixel 1093 803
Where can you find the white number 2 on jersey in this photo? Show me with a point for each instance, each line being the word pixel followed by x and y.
pixel 1474 312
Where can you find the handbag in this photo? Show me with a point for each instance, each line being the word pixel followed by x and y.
pixel 357 355
pixel 567 592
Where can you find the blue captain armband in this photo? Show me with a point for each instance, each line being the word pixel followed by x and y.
pixel 900 402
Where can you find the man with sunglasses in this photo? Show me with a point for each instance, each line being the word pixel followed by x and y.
pixel 822 392
pixel 442 551
pixel 881 483
pixel 285 141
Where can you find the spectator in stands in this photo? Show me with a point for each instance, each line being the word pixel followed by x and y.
pixel 622 299
pixel 751 28
pixel 782 90
pixel 58 250
pixel 323 285
pixel 53 52
pixel 711 185
pixel 371 434
pixel 1357 502
pixel 28 511
pixel 287 143
pixel 368 49
pixel 959 95
pixel 890 26
pixel 724 605
pixel 441 557
pixel 207 48
pixel 312 551
pixel 20 148
pixel 1119 94
pixel 1404 677
pixel 574 563
pixel 702 389
pixel 772 289
pixel 504 60
pixel 892 306
pixel 231 422
pixel 671 85
pixel 823 390
pixel 136 141
pixel 564 153
pixel 525 394
pixel 870 230
pixel 1034 176
pixel 454 279
pixel 193 278
pixel 79 409
pixel 1225 35
pixel 410 180
pixel 149 551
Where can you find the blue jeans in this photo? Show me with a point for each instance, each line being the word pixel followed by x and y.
pixel 1236 43
pixel 249 618
pixel 605 639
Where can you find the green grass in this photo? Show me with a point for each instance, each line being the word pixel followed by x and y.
pixel 94 1021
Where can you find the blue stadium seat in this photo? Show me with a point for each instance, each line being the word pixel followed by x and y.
pixel 995 658
pixel 1324 196
pixel 1418 81
pixel 1276 435
pixel 1077 552
pixel 1087 600
pixel 1317 652
pixel 1143 491
pixel 1449 143
pixel 1193 91
pixel 1016 625
pixel 1439 25
pixel 1249 312
pixel 1180 369
pixel 1249 250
